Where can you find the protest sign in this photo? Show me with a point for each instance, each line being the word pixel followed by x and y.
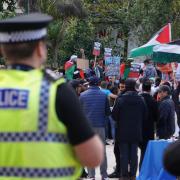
pixel 134 70
pixel 112 66
pixel 82 64
pixel 107 52
pixel 96 50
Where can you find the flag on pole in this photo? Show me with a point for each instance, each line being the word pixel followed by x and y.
pixel 161 37
pixel 167 52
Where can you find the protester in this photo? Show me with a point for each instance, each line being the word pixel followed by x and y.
pixel 117 171
pixel 96 107
pixel 40 139
pixel 129 113
pixel 154 89
pixel 75 83
pixel 150 71
pixel 99 69
pixel 121 86
pixel 70 67
pixel 166 120
pixel 107 91
pixel 176 99
pixel 148 124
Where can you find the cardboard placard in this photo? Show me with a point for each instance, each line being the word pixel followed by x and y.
pixel 82 64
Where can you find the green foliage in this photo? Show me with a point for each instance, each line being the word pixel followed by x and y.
pixel 6 13
pixel 79 34
pixel 70 31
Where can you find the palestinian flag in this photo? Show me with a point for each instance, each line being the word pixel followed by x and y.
pixel 167 52
pixel 161 37
pixel 69 69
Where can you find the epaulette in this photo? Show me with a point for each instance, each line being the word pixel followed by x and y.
pixel 50 75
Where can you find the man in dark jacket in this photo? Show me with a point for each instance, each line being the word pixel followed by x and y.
pixel 148 125
pixel 129 112
pixel 166 120
pixel 176 99
pixel 117 171
pixel 96 107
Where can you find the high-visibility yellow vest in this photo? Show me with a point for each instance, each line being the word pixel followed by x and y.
pixel 33 141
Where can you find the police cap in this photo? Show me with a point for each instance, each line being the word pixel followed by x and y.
pixel 24 28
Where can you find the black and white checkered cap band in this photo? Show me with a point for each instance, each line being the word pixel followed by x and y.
pixel 22 36
pixel 36 172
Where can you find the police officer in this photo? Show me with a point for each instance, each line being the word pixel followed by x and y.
pixel 43 132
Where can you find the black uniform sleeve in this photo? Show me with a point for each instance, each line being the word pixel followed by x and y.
pixel 172 158
pixel 69 111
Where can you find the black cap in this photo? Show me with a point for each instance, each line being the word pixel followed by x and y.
pixel 164 88
pixel 130 84
pixel 75 83
pixel 24 28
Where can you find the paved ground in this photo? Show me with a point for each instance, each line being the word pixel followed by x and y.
pixel 110 159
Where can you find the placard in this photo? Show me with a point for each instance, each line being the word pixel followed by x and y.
pixel 96 50
pixel 82 64
pixel 107 52
pixel 112 66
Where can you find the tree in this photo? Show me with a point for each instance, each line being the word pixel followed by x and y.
pixel 63 12
pixel 7 12
pixel 140 17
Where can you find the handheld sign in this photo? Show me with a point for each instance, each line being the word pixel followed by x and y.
pixel 82 64
pixel 96 50
pixel 107 52
pixel 112 66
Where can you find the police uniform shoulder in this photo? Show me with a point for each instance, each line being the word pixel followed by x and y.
pixel 51 76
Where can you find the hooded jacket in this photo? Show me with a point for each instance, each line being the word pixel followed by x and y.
pixel 129 112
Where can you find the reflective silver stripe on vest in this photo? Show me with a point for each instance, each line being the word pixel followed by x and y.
pixel 36 172
pixel 41 134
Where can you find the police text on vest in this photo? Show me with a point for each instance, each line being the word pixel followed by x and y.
pixel 14 98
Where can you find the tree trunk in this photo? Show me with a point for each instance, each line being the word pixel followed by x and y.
pixel 126 48
pixel 1 6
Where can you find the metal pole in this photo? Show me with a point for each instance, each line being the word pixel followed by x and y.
pixel 27 6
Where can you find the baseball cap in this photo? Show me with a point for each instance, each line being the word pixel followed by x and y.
pixel 94 81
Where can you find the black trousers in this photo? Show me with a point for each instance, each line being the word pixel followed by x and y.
pixel 128 156
pixel 117 157
pixel 143 147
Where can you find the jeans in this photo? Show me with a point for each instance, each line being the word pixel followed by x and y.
pixel 103 166
pixel 112 122
pixel 128 156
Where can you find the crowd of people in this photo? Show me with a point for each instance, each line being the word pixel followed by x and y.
pixel 131 112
